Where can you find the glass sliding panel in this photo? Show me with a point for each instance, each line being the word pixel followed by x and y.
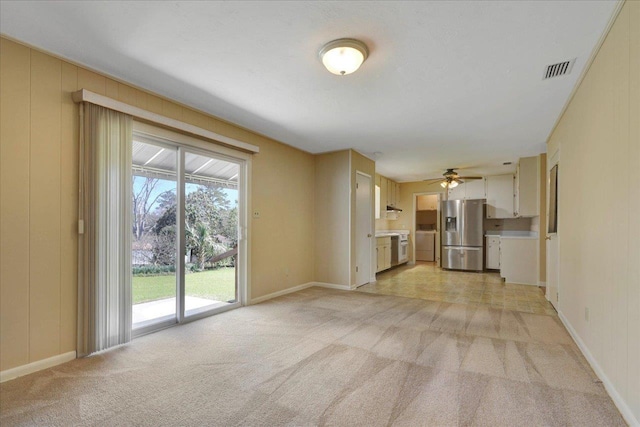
pixel 154 233
pixel 211 232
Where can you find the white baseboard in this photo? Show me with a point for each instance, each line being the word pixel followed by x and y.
pixel 331 286
pixel 543 284
pixel 280 293
pixel 39 365
pixel 624 409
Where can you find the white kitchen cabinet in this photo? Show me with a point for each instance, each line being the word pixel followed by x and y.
pixel 457 193
pixel 475 189
pixel 493 253
pixel 471 189
pixel 519 260
pixel 383 253
pixel 384 194
pixel 527 187
pixel 500 196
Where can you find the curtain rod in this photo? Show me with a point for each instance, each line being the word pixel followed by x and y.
pixel 84 95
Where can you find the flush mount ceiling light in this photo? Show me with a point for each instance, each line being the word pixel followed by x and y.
pixel 343 56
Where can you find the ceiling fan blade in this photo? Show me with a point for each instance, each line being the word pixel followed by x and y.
pixel 433 180
pixel 469 177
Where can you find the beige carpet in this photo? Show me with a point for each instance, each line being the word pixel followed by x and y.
pixel 325 357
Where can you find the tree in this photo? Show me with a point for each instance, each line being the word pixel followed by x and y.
pixel 143 201
pixel 202 243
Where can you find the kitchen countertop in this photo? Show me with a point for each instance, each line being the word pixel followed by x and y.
pixel 387 234
pixel 512 234
pixel 390 233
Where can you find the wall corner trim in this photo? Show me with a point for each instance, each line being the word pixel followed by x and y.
pixel 280 293
pixel 332 286
pixel 296 289
pixel 84 95
pixel 622 406
pixel 36 366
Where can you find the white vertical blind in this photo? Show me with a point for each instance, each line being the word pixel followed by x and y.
pixel 104 294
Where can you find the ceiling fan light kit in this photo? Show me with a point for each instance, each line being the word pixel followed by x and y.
pixel 343 56
pixel 452 179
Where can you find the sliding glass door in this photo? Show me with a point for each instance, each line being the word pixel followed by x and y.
pixel 185 251
pixel 211 232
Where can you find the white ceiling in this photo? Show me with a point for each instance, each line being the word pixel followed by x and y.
pixel 447 84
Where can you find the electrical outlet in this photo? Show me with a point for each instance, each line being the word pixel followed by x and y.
pixel 256 214
pixel 586 314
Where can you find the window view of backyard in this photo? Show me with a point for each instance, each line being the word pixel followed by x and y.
pixel 211 233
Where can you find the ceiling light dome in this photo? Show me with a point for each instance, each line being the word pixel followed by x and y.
pixel 343 56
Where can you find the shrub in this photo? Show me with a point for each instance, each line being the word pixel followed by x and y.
pixel 153 270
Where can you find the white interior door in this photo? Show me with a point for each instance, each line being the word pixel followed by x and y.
pixel 553 238
pixel 364 229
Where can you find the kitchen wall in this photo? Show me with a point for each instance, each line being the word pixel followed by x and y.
pixel 598 140
pixel 515 224
pixel 38 200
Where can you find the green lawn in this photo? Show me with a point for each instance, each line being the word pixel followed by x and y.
pixel 211 284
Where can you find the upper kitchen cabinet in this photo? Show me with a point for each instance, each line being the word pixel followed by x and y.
pixel 389 192
pixel 389 196
pixel 475 189
pixel 500 196
pixel 471 189
pixel 384 193
pixel 393 193
pixel 527 187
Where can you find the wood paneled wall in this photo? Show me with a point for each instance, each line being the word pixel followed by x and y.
pixel 38 200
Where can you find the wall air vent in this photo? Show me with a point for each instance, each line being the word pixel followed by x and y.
pixel 559 69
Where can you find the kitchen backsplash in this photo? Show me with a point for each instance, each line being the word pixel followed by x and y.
pixel 516 224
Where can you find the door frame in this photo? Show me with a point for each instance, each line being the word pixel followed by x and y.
pixel 551 237
pixel 197 145
pixel 439 195
pixel 371 224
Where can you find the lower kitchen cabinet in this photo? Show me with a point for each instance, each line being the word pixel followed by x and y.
pixel 383 253
pixel 519 260
pixel 493 253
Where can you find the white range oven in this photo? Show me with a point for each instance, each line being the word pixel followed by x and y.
pixel 403 248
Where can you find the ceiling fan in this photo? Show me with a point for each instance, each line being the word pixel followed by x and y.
pixel 452 179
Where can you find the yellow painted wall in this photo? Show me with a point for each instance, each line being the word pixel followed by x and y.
pixel 333 207
pixel 38 200
pixel 599 208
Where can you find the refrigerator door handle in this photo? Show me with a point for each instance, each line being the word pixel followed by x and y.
pixel 464 248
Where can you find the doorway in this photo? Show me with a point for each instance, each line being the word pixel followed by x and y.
pixel 187 251
pixel 426 226
pixel 364 229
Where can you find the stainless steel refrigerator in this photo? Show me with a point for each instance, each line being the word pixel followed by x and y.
pixel 462 234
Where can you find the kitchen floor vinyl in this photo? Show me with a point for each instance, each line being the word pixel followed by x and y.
pixel 425 280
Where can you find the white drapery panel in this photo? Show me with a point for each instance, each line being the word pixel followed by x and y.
pixel 104 281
